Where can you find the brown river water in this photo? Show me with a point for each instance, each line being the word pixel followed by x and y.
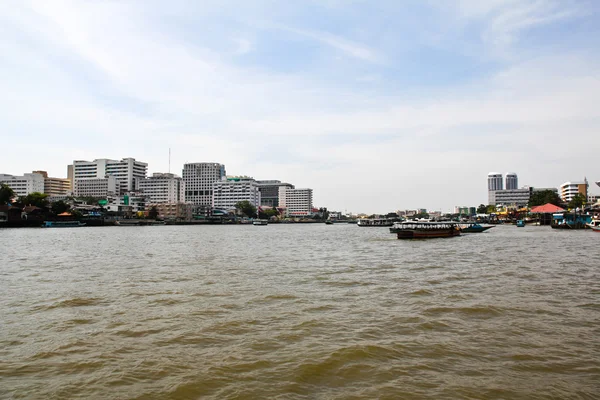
pixel 298 312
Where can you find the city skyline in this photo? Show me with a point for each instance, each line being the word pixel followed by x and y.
pixel 376 108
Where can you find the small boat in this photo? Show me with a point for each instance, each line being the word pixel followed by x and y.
pixel 474 228
pixel 328 222
pixel 62 224
pixel 520 223
pixel 260 222
pixel 594 225
pixel 375 222
pixel 425 230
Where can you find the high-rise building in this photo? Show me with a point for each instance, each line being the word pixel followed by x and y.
pixel 297 202
pixel 25 184
pixel 163 188
pixel 226 194
pixel 127 172
pixel 269 192
pixel 494 184
pixel 55 186
pixel 198 179
pixel 512 182
pixel 568 190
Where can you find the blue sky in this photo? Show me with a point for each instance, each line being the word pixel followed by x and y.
pixel 376 105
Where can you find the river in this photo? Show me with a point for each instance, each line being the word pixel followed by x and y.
pixel 295 311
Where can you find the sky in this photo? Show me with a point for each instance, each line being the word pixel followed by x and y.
pixel 376 105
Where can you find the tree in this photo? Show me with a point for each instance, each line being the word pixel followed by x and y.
pixel 6 194
pixel 544 197
pixel 246 208
pixel 578 200
pixel 59 207
pixel 153 213
pixel 35 199
pixel 482 209
pixel 491 209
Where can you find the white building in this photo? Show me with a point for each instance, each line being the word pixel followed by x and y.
pixel 568 190
pixel 163 188
pixel 495 182
pixel 226 194
pixel 128 172
pixel 198 179
pixel 297 202
pixel 55 186
pixel 127 203
pixel 25 184
pixel 512 197
pixel 512 181
pixel 96 187
pixel 269 192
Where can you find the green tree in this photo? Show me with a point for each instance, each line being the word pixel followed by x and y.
pixel 35 199
pixel 544 197
pixel 491 209
pixel 482 209
pixel 578 200
pixel 59 207
pixel 6 194
pixel 246 208
pixel 153 213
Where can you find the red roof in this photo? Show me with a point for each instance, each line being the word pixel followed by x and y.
pixel 547 208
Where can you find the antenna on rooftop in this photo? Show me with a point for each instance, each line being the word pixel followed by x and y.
pixel 169 160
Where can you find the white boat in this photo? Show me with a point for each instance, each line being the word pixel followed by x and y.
pixel 260 222
pixel 375 222
pixel 594 225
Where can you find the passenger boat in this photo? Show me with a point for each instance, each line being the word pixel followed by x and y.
pixel 425 230
pixel 328 222
pixel 474 228
pixel 62 224
pixel 375 222
pixel 520 223
pixel 594 225
pixel 260 222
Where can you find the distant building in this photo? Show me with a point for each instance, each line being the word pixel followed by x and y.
pixel 514 197
pixel 494 183
pixel 226 194
pixel 269 192
pixel 163 188
pixel 297 202
pixel 172 211
pixel 512 181
pixel 198 179
pixel 127 203
pixel 568 190
pixel 96 187
pixel 55 186
pixel 127 172
pixel 25 184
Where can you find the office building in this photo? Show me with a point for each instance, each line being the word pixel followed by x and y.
pixel 226 194
pixel 25 184
pixel 96 187
pixel 127 172
pixel 513 197
pixel 198 179
pixel 568 190
pixel 297 202
pixel 512 182
pixel 269 192
pixel 163 188
pixel 55 186
pixel 495 182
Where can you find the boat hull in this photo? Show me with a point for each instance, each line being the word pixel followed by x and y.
pixel 427 234
pixel 476 229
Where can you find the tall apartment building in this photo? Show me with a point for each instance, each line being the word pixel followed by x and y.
pixel 198 179
pixel 226 194
pixel 297 202
pixel 512 181
pixel 127 172
pixel 568 190
pixel 55 186
pixel 269 192
pixel 25 184
pixel 163 188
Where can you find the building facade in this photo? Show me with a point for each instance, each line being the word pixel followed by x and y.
pixel 127 172
pixel 198 179
pixel 495 182
pixel 55 186
pixel 297 202
pixel 25 184
pixel 96 187
pixel 269 192
pixel 163 188
pixel 172 211
pixel 512 181
pixel 514 197
pixel 226 194
pixel 568 190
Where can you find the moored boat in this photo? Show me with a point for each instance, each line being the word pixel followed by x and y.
pixel 425 230
pixel 594 225
pixel 260 222
pixel 375 222
pixel 474 228
pixel 520 223
pixel 62 224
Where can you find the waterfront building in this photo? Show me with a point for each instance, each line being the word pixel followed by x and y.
pixel 24 184
pixel 55 186
pixel 128 172
pixel 226 194
pixel 96 187
pixel 297 202
pixel 269 192
pixel 494 183
pixel 568 190
pixel 198 179
pixel 512 181
pixel 128 203
pixel 513 197
pixel 172 211
pixel 163 188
